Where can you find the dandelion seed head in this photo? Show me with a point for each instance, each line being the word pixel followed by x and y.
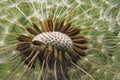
pixel 64 43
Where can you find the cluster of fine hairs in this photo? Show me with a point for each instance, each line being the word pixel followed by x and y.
pixel 59 39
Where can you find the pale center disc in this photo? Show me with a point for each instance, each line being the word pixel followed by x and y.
pixel 56 39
